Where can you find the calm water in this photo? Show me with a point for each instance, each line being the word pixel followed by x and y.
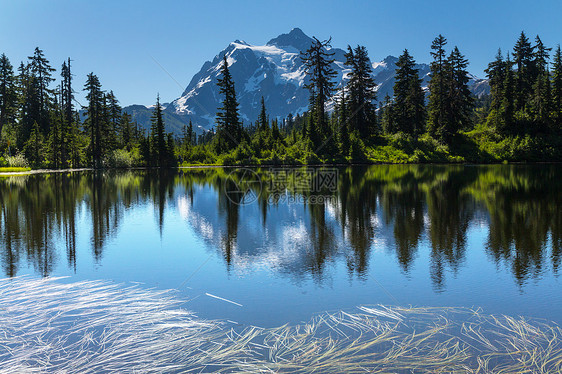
pixel 285 244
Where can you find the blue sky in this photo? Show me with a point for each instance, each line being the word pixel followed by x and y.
pixel 128 43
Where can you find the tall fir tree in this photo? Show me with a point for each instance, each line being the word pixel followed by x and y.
pixel 41 73
pixel 95 119
pixel 229 127
pixel 437 86
pixel 362 94
pixel 409 98
pixel 318 66
pixel 158 137
pixel 459 100
pixel 8 93
pixel 557 87
pixel 263 122
pixel 525 74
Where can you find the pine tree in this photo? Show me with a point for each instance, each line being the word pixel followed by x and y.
pixel 507 109
pixel 409 98
pixel 68 129
pixel 317 62
pixel 437 86
pixel 114 120
pixel 361 87
pixel 342 121
pixel 262 118
pixel 229 127
pixel 126 131
pixel 459 100
pixel 33 148
pixel 496 78
pixel 557 87
pixel 41 74
pixel 94 123
pixel 8 94
pixel 388 123
pixel 55 137
pixel 158 138
pixel 526 72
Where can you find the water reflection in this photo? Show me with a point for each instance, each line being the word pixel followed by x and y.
pixel 393 208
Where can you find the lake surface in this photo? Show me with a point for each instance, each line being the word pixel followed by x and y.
pixel 283 244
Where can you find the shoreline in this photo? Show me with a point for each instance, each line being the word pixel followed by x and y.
pixel 75 170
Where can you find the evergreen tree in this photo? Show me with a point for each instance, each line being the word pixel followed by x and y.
pixel 114 119
pixel 94 123
pixel 388 122
pixel 33 148
pixel 409 98
pixel 459 100
pixel 55 138
pixel 526 72
pixel 437 86
pixel 342 120
pixel 187 136
pixel 126 131
pixel 557 87
pixel 8 94
pixel 41 74
pixel 229 127
pixel 263 123
pixel 317 62
pixel 496 78
pixel 68 126
pixel 158 138
pixel 362 93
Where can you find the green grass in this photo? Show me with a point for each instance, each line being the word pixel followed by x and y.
pixel 9 169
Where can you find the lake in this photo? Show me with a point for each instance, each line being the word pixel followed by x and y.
pixel 271 246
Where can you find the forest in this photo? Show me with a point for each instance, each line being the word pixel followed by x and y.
pixel 43 126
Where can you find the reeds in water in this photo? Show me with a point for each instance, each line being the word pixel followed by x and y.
pixel 94 326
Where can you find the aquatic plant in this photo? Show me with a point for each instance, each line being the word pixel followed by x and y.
pixel 98 326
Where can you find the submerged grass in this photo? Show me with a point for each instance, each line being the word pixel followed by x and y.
pixel 97 326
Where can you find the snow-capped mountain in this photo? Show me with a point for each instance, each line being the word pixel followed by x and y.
pixel 274 71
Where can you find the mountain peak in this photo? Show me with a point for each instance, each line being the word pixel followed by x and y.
pixel 296 38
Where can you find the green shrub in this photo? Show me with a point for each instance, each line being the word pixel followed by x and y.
pixel 17 161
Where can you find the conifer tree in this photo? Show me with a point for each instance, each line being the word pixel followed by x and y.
pixel 525 71
pixel 68 130
pixel 459 100
pixel 8 94
pixel 229 127
pixel 317 62
pixel 496 78
pixel 41 75
pixel 158 138
pixel 55 137
pixel 33 148
pixel 437 86
pixel 94 123
pixel 409 98
pixel 262 118
pixel 114 119
pixel 557 87
pixel 361 87
pixel 126 131
pixel 342 121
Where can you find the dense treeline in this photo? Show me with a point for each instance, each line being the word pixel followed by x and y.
pixel 520 120
pixel 42 126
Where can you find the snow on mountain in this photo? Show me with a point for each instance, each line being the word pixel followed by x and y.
pixel 276 72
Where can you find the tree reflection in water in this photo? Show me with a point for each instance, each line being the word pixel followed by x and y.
pixel 400 205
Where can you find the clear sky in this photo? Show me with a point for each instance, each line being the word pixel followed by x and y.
pixel 129 44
